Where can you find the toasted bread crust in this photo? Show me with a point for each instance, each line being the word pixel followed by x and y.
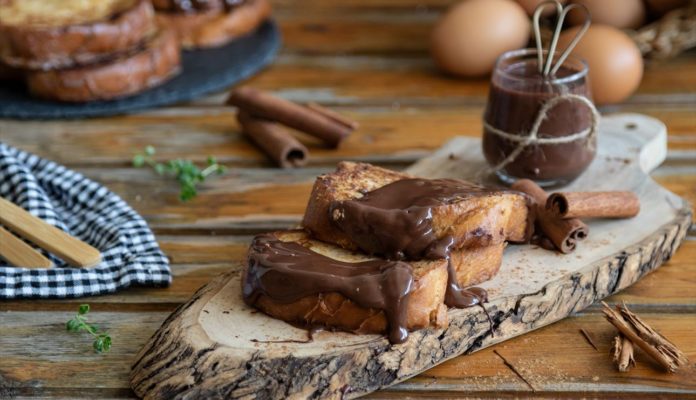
pixel 477 222
pixel 215 27
pixel 475 265
pixel 158 61
pixel 425 306
pixel 47 47
pixel 345 183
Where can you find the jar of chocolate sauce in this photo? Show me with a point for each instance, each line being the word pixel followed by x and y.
pixel 565 138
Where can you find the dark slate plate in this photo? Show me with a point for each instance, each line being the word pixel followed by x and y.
pixel 204 71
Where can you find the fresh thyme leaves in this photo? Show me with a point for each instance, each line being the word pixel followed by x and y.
pixel 102 340
pixel 185 171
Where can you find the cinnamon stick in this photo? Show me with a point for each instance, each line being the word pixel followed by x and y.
pixel 267 106
pixel 333 115
pixel 594 204
pixel 563 233
pixel 623 353
pixel 278 144
pixel 643 336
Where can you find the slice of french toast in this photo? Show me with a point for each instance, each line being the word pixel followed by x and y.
pixel 213 24
pixel 425 305
pixel 333 310
pixel 487 218
pixel 150 65
pixel 48 34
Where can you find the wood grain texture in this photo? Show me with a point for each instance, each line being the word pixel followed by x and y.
pixel 214 345
pixel 20 254
pixel 476 375
pixel 556 360
pixel 386 136
pixel 184 362
pixel 71 249
pixel 384 78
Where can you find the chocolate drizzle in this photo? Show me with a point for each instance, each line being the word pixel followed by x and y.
pixel 202 5
pixel 395 221
pixel 459 297
pixel 288 271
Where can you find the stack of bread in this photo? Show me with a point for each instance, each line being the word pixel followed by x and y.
pixel 384 252
pixel 85 50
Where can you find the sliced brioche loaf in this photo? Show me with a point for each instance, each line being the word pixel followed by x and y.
pixel 47 34
pixel 145 67
pixel 477 221
pixel 215 25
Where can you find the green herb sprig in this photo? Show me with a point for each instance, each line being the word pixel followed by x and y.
pixel 185 171
pixel 102 340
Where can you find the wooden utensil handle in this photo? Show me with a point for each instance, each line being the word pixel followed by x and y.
pixel 19 254
pixel 74 251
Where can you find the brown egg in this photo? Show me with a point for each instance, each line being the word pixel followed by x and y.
pixel 530 5
pixel 472 34
pixel 615 63
pixel 661 7
pixel 623 14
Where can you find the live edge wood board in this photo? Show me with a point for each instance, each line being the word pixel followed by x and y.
pixel 214 346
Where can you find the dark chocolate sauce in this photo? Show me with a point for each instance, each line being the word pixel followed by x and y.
pixel 202 5
pixel 459 297
pixel 395 221
pixel 288 271
pixel 514 100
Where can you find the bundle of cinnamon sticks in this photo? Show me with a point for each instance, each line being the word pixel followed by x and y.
pixel 633 332
pixel 263 118
pixel 557 216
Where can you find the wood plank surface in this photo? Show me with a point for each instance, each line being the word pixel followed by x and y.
pixel 368 59
pixel 251 200
pixel 554 359
pixel 386 135
pixel 558 359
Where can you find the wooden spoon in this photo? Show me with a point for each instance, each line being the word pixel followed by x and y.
pixel 74 251
pixel 19 254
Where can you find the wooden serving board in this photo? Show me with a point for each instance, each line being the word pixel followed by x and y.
pixel 214 346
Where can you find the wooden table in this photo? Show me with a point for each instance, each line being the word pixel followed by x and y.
pixel 368 59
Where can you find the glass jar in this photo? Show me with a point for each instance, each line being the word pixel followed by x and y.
pixel 517 93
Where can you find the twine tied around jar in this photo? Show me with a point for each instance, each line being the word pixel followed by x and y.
pixel 533 138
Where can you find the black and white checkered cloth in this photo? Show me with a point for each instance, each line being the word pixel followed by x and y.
pixel 87 210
